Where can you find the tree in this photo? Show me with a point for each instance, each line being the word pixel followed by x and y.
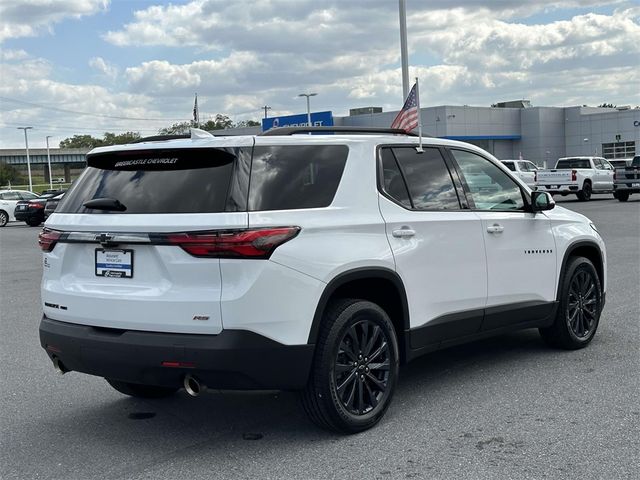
pixel 219 122
pixel 87 141
pixel 8 173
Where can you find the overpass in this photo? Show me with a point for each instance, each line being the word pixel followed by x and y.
pixel 61 156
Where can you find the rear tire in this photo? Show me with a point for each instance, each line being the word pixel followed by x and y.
pixel 622 196
pixel 579 309
pixel 33 223
pixel 585 194
pixel 355 367
pixel 141 391
pixel 4 218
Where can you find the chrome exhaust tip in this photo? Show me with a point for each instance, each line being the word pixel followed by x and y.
pixel 58 366
pixel 193 386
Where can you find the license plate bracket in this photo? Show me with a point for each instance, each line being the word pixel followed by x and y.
pixel 115 263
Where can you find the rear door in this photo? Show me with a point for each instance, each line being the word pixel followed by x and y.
pixel 520 248
pixel 141 258
pixel 437 244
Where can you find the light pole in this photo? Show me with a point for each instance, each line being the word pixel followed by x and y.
pixel 49 163
pixel 266 108
pixel 402 7
pixel 26 144
pixel 308 106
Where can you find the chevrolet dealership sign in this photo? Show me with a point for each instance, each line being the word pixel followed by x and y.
pixel 318 119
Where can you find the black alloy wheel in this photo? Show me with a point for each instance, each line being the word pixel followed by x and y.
pixel 361 369
pixel 355 367
pixel 580 305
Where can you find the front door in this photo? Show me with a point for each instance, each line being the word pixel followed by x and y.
pixel 520 248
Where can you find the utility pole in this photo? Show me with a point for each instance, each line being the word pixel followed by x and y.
pixel 266 107
pixel 49 163
pixel 26 144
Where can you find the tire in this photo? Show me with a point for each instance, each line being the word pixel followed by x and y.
pixel 33 222
pixel 584 195
pixel 622 196
pixel 141 391
pixel 335 398
pixel 4 218
pixel 579 309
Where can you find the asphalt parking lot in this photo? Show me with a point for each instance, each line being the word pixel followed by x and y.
pixel 508 407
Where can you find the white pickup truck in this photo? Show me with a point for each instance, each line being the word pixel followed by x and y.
pixel 581 176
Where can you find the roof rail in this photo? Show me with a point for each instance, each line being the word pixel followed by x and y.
pixel 341 129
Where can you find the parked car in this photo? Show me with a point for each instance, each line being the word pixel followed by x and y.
pixel 317 263
pixel 8 201
pixel 579 175
pixel 620 162
pixel 51 204
pixel 32 211
pixel 626 180
pixel 524 170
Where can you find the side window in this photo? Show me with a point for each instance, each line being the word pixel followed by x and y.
pixel 532 166
pixel 490 187
pixel 295 176
pixel 28 195
pixel 598 164
pixel 11 196
pixel 428 179
pixel 510 165
pixel 392 181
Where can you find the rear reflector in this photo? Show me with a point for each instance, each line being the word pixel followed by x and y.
pixel 47 239
pixel 255 243
pixel 178 364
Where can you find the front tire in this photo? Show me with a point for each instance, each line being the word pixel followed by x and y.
pixel 580 306
pixel 141 391
pixel 355 367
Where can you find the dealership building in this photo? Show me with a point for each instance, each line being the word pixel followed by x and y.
pixel 508 130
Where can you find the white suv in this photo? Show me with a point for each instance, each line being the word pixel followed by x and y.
pixel 304 262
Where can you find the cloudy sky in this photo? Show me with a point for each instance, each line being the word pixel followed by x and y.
pixel 89 66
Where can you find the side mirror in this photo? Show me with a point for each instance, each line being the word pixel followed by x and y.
pixel 541 201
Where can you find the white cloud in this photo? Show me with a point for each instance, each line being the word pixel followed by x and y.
pixel 27 18
pixel 8 55
pixel 107 69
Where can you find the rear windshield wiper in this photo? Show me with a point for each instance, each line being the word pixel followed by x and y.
pixel 105 204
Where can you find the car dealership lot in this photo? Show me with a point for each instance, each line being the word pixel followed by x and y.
pixel 505 407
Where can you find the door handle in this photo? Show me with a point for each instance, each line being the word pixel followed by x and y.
pixel 495 228
pixel 403 233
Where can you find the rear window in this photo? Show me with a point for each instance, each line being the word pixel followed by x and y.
pixel 573 163
pixel 289 177
pixel 164 181
pixel 510 165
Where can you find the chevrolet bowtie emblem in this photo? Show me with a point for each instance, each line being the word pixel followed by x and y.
pixel 104 238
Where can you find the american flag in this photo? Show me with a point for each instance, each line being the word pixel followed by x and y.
pixel 407 118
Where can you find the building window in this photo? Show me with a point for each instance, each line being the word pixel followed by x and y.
pixel 619 150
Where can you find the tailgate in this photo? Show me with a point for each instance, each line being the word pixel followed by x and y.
pixel 554 177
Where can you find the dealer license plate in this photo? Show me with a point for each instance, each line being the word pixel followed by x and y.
pixel 114 263
pixel 635 185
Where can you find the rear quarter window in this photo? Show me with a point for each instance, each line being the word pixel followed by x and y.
pixel 287 177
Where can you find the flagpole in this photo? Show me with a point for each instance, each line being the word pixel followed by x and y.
pixel 419 149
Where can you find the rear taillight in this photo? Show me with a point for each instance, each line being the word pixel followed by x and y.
pixel 574 175
pixel 257 243
pixel 36 204
pixel 47 239
pixel 614 174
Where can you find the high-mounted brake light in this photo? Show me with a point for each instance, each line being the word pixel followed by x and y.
pixel 47 239
pixel 256 243
pixel 574 175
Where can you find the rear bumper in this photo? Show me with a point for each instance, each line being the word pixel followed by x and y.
pixel 558 188
pixel 23 216
pixel 233 359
